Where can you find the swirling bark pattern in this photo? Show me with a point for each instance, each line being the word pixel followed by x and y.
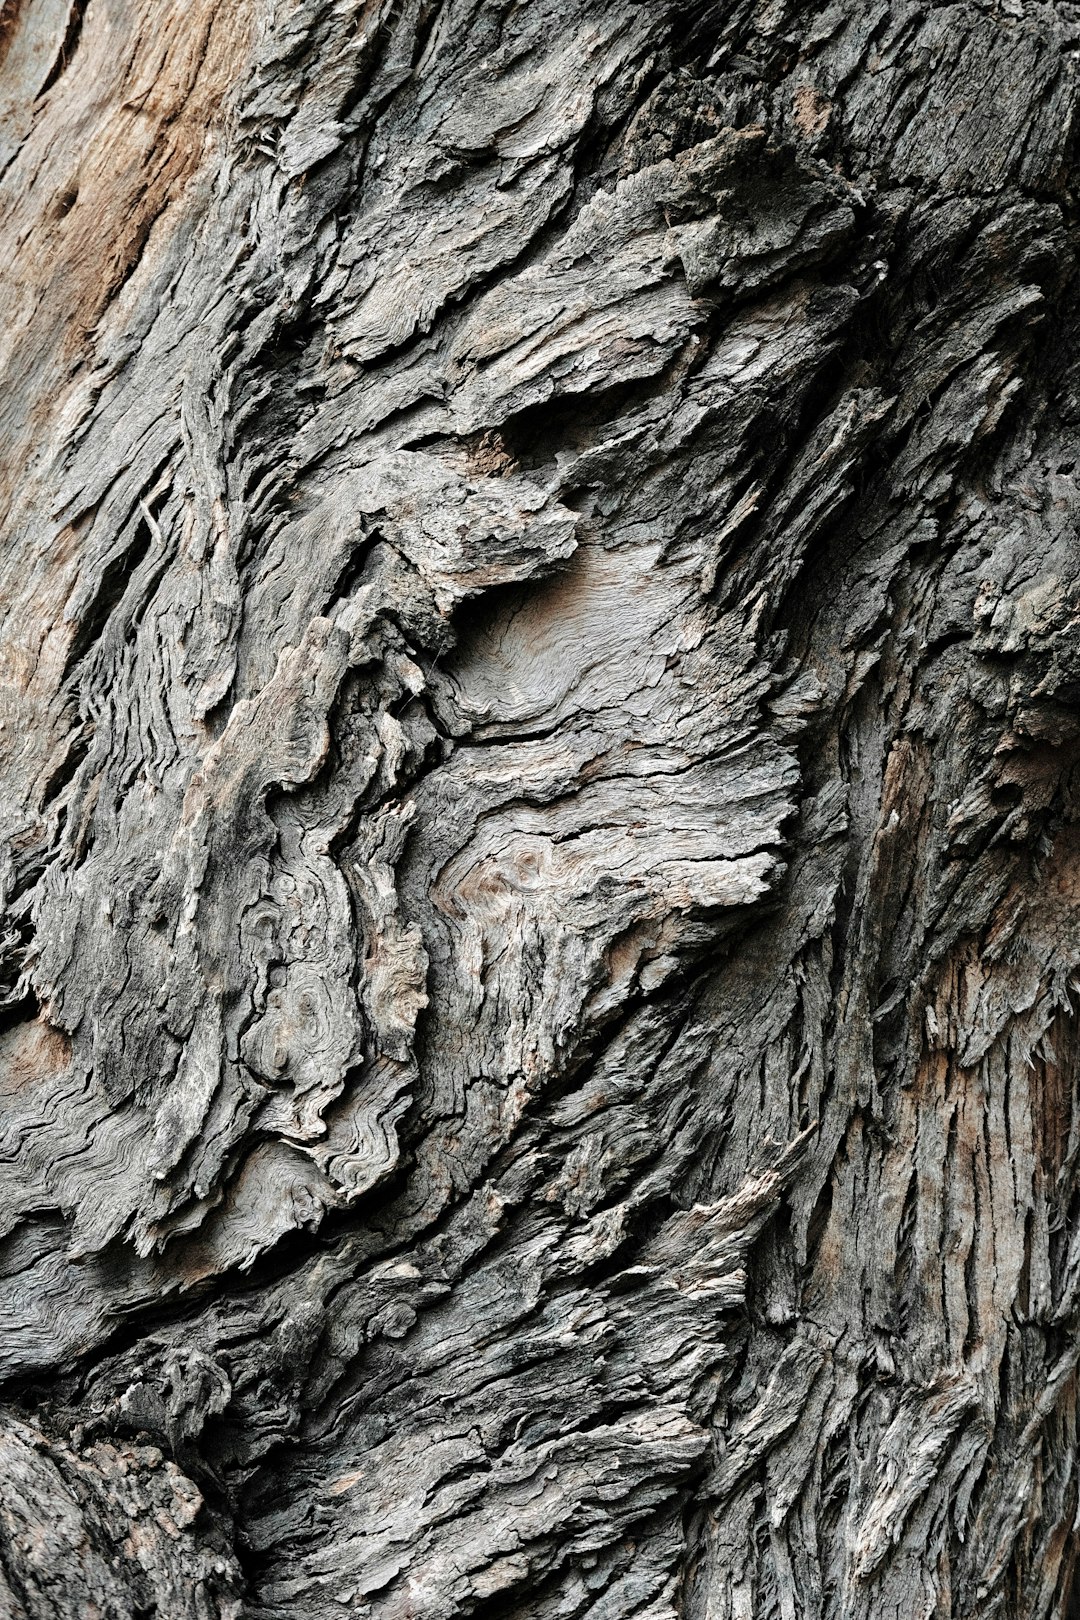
pixel 540 869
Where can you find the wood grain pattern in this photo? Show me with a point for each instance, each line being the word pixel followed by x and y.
pixel 539 808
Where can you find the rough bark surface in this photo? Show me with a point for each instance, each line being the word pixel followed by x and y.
pixel 540 726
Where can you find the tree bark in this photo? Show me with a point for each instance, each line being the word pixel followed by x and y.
pixel 541 810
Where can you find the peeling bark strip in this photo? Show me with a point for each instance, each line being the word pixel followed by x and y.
pixel 540 716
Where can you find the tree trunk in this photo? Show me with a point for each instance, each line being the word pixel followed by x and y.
pixel 540 709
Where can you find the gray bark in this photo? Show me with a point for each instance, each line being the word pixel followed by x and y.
pixel 541 810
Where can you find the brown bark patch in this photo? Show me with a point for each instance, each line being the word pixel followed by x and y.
pixel 31 1052
pixel 121 132
pixel 812 110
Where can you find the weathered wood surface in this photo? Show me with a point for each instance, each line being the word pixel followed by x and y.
pixel 540 809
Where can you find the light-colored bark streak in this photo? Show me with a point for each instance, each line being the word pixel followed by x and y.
pixel 538 682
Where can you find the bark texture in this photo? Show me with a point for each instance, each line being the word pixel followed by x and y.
pixel 541 810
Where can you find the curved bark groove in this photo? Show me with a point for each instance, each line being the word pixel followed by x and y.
pixel 539 708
